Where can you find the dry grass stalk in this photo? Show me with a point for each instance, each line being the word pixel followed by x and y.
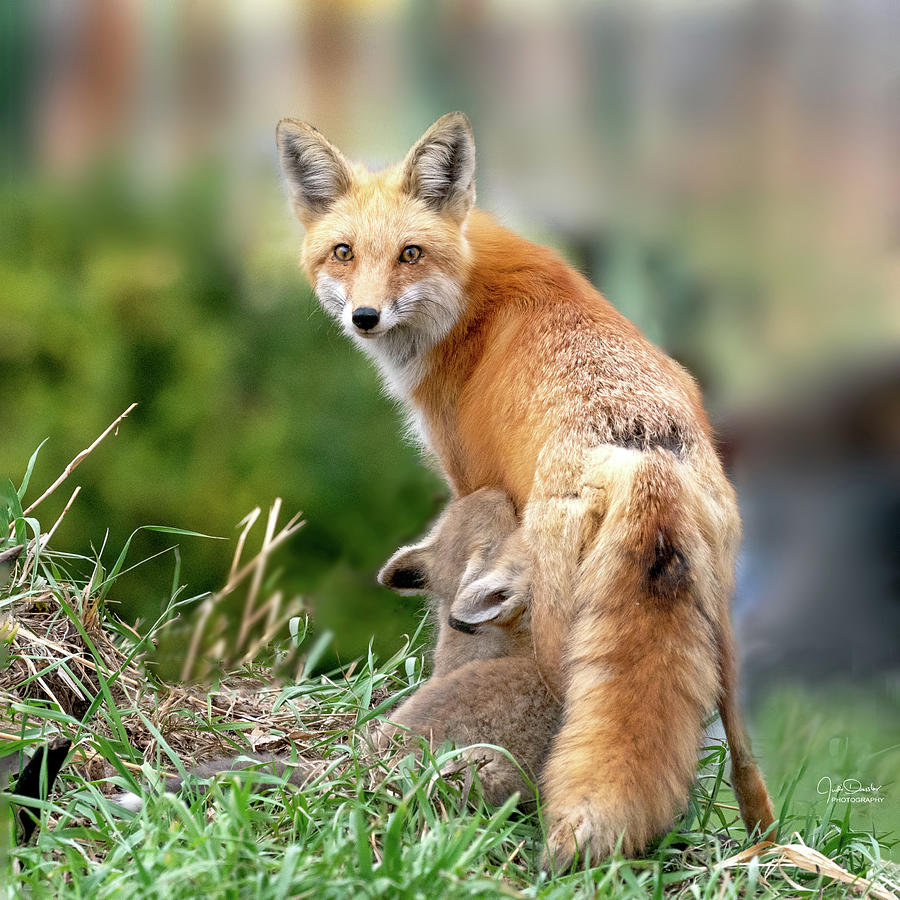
pixel 47 648
pixel 79 458
pixel 38 545
pixel 776 856
pixel 50 657
pixel 207 641
pixel 49 660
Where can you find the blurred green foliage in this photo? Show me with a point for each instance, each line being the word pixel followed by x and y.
pixel 246 393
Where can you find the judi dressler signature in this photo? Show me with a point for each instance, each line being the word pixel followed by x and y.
pixel 850 790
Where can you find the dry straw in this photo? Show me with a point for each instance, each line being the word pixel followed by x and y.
pixel 60 647
pixel 776 856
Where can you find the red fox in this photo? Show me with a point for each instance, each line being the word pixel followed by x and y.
pixel 517 374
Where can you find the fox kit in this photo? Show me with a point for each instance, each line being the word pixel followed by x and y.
pixel 485 686
pixel 519 375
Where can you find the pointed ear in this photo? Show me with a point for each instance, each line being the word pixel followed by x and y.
pixel 406 572
pixel 485 600
pixel 314 169
pixel 440 168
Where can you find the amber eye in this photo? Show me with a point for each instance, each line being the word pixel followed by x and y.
pixel 410 254
pixel 343 252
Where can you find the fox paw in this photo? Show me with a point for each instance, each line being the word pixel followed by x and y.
pixel 577 831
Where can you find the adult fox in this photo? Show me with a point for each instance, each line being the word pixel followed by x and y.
pixel 517 374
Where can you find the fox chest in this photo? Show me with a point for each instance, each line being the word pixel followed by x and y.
pixel 491 414
pixel 482 445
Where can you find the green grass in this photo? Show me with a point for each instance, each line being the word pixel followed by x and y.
pixel 363 827
pixel 811 742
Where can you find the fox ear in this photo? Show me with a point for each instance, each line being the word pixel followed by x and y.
pixel 440 168
pixel 314 169
pixel 485 600
pixel 406 572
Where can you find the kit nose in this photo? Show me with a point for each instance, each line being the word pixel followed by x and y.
pixel 365 318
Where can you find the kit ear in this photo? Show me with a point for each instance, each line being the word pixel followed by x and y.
pixel 484 600
pixel 406 572
pixel 440 168
pixel 314 169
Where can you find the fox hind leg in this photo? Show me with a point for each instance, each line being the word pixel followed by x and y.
pixel 632 646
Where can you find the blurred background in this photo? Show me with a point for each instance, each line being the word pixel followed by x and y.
pixel 728 173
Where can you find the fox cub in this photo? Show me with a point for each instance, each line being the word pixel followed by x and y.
pixel 485 686
pixel 517 374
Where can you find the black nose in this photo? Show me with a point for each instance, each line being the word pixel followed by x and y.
pixel 365 317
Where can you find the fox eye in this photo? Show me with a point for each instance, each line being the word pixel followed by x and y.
pixel 343 252
pixel 410 253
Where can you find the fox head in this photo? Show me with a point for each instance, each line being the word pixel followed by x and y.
pixel 385 251
pixel 466 543
pixel 464 547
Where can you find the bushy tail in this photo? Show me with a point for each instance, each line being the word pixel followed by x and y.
pixel 659 539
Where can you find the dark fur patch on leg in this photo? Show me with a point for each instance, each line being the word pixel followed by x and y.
pixel 639 435
pixel 667 570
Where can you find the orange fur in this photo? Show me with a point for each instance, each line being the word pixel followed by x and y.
pixel 519 375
